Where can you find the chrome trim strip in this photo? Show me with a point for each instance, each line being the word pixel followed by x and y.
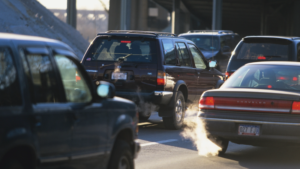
pixel 86 155
pixel 94 71
pixel 249 121
pixel 253 109
pixel 162 93
pixel 54 159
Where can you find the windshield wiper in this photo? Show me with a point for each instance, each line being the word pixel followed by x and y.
pixel 123 58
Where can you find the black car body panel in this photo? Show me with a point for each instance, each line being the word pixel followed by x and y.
pixel 56 133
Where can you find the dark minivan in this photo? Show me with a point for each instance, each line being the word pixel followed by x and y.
pixel 263 48
pixel 52 116
pixel 158 71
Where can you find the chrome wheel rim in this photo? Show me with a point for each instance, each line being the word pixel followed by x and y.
pixel 178 110
pixel 123 163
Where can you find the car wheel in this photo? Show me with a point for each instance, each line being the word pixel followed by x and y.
pixel 13 164
pixel 121 157
pixel 178 112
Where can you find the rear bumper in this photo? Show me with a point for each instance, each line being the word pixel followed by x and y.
pixel 275 129
pixel 156 97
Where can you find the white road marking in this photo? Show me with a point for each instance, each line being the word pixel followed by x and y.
pixel 158 142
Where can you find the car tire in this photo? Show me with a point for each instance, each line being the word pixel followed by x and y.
pixel 175 122
pixel 121 156
pixel 13 164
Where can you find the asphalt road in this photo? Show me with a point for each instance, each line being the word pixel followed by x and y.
pixel 163 148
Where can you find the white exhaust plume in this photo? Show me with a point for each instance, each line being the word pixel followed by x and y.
pixel 195 130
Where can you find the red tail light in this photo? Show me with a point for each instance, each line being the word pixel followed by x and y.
pixel 261 58
pixel 228 74
pixel 206 103
pixel 161 78
pixel 296 107
pixel 77 78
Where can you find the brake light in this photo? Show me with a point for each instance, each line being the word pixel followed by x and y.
pixel 295 79
pixel 269 86
pixel 77 78
pixel 206 103
pixel 296 107
pixel 161 78
pixel 228 74
pixel 125 41
pixel 261 58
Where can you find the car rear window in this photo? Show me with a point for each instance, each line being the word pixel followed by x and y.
pixel 205 42
pixel 264 49
pixel 122 49
pixel 276 77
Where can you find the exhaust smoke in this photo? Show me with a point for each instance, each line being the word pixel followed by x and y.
pixel 195 131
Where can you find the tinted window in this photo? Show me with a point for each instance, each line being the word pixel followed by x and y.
pixel 197 55
pixel 264 49
pixel 298 52
pixel 124 49
pixel 40 74
pixel 205 42
pixel 75 86
pixel 183 54
pixel 276 77
pixel 10 94
pixel 226 41
pixel 169 51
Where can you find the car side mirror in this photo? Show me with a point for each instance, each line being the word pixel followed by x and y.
pixel 212 64
pixel 226 49
pixel 106 90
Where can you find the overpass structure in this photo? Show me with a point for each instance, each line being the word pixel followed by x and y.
pixel 246 17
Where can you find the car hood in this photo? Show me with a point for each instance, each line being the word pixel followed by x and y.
pixel 209 54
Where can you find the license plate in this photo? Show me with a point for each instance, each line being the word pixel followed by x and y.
pixel 119 76
pixel 249 130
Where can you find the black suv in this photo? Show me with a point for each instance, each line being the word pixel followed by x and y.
pixel 156 70
pixel 214 44
pixel 264 48
pixel 51 114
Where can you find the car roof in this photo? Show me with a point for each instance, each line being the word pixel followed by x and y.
pixel 274 37
pixel 284 63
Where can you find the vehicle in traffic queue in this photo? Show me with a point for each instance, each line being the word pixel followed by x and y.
pixel 258 105
pixel 263 48
pixel 152 68
pixel 215 45
pixel 52 116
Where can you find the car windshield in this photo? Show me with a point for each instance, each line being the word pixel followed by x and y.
pixel 122 49
pixel 263 49
pixel 278 77
pixel 205 42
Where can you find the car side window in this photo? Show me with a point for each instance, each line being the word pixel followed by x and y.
pixel 298 52
pixel 169 51
pixel 75 86
pixel 199 63
pixel 183 55
pixel 9 83
pixel 41 76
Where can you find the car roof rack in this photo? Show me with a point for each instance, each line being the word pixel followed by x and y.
pixel 142 32
pixel 211 31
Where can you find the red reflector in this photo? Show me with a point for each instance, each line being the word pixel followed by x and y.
pixel 261 58
pixel 207 103
pixel 161 81
pixel 296 107
pixel 295 79
pixel 125 41
pixel 269 86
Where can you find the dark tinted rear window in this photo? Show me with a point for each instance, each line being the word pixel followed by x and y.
pixel 264 49
pixel 124 49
